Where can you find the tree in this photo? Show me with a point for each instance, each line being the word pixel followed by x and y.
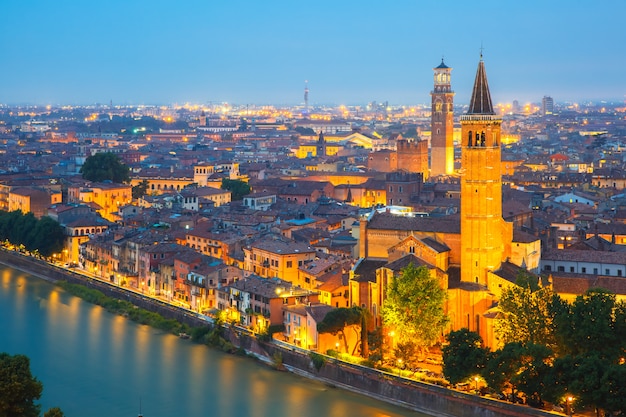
pixel 593 324
pixel 535 361
pixel 525 313
pixel 502 365
pixel 463 356
pixel 54 412
pixel 140 189
pixel 105 166
pixel 238 188
pixel 414 306
pixel 19 388
pixel 47 237
pixel 338 319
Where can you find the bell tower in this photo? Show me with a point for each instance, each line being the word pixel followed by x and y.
pixel 442 123
pixel 485 236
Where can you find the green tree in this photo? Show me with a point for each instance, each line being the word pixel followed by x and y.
pixel 502 366
pixel 238 188
pixel 592 324
pixel 140 189
pixel 535 361
pixel 338 319
pixel 414 306
pixel 525 314
pixel 105 166
pixel 47 237
pixel 463 356
pixel 19 389
pixel 54 412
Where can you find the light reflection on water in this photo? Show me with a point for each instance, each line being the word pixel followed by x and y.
pixel 96 364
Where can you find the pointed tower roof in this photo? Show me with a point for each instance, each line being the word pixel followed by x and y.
pixel 442 65
pixel 480 102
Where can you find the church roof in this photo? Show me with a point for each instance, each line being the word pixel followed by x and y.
pixel 480 103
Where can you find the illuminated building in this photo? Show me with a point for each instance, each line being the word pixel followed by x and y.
pixel 442 123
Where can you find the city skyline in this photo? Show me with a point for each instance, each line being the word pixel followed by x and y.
pixel 350 53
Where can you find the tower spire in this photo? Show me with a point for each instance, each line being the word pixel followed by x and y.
pixel 480 103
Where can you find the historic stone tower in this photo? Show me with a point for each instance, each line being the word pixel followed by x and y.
pixel 442 123
pixel 485 236
pixel 412 156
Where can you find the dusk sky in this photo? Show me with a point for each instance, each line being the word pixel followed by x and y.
pixel 351 52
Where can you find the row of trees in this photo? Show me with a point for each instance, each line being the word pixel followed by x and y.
pixel 551 349
pixel 44 235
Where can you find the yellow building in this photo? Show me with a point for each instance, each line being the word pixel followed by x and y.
pixel 442 123
pixel 108 197
pixel 33 200
pixel 273 257
pixel 486 237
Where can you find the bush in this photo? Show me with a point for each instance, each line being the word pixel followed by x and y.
pixel 317 360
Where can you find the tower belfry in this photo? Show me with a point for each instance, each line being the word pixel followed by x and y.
pixel 442 123
pixel 485 236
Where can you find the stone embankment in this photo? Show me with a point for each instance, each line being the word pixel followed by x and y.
pixel 422 397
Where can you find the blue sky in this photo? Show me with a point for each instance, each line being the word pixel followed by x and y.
pixel 351 52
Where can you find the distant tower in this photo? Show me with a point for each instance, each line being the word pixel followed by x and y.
pixel 442 123
pixel 321 145
pixel 306 96
pixel 485 236
pixel 547 105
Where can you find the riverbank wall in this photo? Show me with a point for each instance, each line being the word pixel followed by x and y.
pixel 418 396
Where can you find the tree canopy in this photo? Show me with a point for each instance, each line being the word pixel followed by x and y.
pixel 525 313
pixel 463 356
pixel 44 235
pixel 338 319
pixel 105 166
pixel 19 388
pixel 238 188
pixel 414 306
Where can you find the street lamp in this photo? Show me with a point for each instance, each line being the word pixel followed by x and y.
pixel 476 380
pixel 568 405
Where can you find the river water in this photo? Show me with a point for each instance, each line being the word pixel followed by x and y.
pixel 96 364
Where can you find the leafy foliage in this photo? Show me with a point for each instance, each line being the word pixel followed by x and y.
pixel 44 235
pixel 525 314
pixel 105 166
pixel 140 189
pixel 238 188
pixel 19 388
pixel 463 356
pixel 338 319
pixel 593 324
pixel 414 306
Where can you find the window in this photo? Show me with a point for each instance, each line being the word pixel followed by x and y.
pixel 607 271
pixel 583 270
pixel 595 271
pixel 289 264
pixel 619 272
pixel 547 268
pixel 560 269
pixel 571 269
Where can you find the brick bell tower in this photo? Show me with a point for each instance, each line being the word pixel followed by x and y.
pixel 442 123
pixel 485 236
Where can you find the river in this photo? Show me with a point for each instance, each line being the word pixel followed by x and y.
pixel 96 364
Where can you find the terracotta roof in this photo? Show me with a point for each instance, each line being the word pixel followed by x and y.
pixel 365 271
pixel 616 258
pixel 405 261
pixel 388 221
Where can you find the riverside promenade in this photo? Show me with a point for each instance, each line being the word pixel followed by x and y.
pixel 418 396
